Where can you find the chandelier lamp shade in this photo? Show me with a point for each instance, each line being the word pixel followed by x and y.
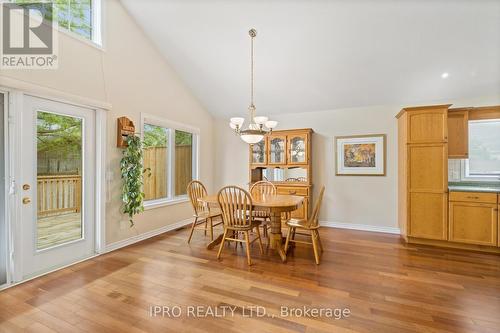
pixel 258 126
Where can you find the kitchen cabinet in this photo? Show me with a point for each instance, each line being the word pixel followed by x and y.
pixel 458 133
pixel 473 218
pixel 427 124
pixel 423 172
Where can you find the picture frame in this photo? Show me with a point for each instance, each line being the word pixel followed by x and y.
pixel 361 155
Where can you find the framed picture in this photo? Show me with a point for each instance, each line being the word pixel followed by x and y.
pixel 360 155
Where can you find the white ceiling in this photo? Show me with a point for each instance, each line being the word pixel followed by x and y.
pixel 321 55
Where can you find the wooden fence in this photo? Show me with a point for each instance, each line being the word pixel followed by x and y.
pixel 58 194
pixel 156 158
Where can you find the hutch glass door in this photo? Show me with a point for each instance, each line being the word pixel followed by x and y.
pixel 258 152
pixel 297 149
pixel 277 146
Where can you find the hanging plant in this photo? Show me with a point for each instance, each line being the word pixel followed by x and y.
pixel 132 170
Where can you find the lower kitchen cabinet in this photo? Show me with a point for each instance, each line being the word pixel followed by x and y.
pixel 428 216
pixel 473 222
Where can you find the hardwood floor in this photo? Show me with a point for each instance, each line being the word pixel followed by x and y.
pixel 386 285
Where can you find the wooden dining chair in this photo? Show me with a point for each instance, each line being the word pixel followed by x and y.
pixel 202 212
pixel 263 187
pixel 310 227
pixel 237 214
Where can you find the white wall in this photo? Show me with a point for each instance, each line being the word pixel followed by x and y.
pixel 131 75
pixel 348 199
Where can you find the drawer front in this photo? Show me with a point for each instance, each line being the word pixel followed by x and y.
pixel 292 190
pixel 474 197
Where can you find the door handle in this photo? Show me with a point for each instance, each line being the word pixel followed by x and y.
pixel 26 200
pixel 26 187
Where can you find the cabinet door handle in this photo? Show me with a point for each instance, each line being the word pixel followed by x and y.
pixel 470 197
pixel 292 192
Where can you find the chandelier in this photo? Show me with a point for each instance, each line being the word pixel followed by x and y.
pixel 259 125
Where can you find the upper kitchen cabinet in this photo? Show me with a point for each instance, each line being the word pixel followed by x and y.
pixel 458 132
pixel 427 124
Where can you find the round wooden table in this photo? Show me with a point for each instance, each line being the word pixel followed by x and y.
pixel 274 205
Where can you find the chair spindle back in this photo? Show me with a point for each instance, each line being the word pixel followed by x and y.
pixel 262 187
pixel 197 190
pixel 313 221
pixel 236 206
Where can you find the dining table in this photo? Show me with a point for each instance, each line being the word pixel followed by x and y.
pixel 275 205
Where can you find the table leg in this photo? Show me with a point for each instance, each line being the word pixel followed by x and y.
pixel 276 238
pixel 215 242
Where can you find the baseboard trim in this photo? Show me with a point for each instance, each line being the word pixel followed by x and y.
pixel 134 239
pixel 362 227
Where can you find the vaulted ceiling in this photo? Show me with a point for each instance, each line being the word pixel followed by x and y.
pixel 322 55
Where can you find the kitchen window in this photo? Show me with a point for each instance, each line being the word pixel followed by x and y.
pixel 484 151
pixel 171 154
pixel 78 17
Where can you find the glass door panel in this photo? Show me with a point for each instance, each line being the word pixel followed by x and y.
pixel 59 179
pixel 277 150
pixel 298 149
pixel 258 152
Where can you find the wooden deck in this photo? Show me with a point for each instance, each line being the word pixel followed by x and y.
pixel 58 229
pixel 388 287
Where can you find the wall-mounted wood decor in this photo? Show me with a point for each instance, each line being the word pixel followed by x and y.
pixel 125 127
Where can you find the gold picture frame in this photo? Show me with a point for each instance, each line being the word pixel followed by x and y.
pixel 361 155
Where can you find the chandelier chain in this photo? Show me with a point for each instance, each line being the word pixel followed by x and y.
pixel 252 105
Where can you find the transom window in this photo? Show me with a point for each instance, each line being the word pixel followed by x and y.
pixel 484 150
pixel 170 152
pixel 81 17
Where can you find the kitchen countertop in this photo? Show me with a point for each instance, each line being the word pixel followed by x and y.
pixel 474 187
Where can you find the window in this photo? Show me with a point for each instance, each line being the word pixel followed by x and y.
pixel 78 16
pixel 170 152
pixel 484 150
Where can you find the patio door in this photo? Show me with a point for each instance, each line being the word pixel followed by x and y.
pixel 57 185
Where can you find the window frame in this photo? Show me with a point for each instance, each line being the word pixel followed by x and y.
pixel 464 165
pixel 172 126
pixel 96 39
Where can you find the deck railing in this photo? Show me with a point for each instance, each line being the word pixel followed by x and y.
pixel 58 194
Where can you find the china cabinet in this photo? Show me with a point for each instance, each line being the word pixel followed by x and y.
pixel 284 158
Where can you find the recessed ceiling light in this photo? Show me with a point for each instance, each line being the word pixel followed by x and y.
pixel 445 75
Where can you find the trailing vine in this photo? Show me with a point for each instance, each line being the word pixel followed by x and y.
pixel 132 170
